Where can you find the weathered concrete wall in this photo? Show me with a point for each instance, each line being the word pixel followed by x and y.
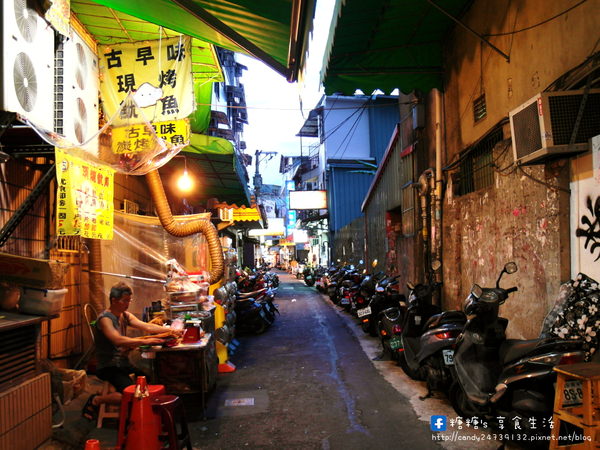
pixel 516 219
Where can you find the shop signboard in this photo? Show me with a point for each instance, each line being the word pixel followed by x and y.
pixel 137 138
pixel 84 205
pixel 157 73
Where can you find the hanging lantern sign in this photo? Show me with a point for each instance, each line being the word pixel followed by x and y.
pixel 157 73
pixel 84 205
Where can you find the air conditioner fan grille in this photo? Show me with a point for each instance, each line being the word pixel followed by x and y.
pixel 527 130
pixel 563 114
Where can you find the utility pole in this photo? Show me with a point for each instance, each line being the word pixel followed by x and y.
pixel 257 176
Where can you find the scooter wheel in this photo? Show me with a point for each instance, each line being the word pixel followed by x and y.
pixel 414 374
pixel 460 402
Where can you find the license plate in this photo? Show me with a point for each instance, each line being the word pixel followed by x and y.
pixel 448 357
pixel 396 343
pixel 345 301
pixel 572 394
pixel 363 312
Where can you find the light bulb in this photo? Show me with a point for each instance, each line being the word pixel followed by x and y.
pixel 185 183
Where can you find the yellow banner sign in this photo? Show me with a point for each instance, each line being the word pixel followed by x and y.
pixel 84 205
pixel 157 73
pixel 138 137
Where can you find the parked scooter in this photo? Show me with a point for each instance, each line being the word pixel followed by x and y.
pixel 389 328
pixel 495 376
pixel 309 276
pixel 428 336
pixel 382 294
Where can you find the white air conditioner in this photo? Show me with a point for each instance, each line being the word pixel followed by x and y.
pixel 542 126
pixel 226 214
pixel 27 64
pixel 76 107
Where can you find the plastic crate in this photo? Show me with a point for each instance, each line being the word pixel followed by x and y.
pixel 42 302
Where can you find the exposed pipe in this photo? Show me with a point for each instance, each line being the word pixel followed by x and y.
pixel 438 176
pixel 186 229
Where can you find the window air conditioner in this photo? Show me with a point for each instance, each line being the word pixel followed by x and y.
pixel 27 86
pixel 541 128
pixel 76 105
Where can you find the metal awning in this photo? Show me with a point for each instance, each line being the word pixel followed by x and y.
pixel 383 44
pixel 214 165
pixel 273 31
pixel 310 128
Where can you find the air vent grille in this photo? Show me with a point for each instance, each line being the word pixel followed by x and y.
pixel 563 114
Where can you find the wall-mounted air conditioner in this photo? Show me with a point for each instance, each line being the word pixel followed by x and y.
pixel 27 64
pixel 542 127
pixel 76 106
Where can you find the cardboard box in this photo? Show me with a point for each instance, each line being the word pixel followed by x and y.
pixel 37 273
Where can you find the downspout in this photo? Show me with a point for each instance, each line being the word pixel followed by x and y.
pixel 186 229
pixel 438 176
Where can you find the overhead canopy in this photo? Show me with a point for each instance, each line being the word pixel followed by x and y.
pixel 383 44
pixel 217 171
pixel 112 27
pixel 274 31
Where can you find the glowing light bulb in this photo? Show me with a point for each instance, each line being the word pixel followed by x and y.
pixel 185 183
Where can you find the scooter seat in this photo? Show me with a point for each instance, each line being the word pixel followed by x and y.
pixel 244 295
pixel 446 317
pixel 513 349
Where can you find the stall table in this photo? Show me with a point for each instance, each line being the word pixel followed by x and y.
pixel 184 368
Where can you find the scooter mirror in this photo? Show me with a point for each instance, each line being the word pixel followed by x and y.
pixel 511 267
pixel 436 264
pixel 409 285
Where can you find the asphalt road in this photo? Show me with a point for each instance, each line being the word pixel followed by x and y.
pixel 308 383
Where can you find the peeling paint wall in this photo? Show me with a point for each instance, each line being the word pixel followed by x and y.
pixel 524 216
pixel 517 220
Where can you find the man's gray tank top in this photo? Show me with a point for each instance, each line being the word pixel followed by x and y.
pixel 107 353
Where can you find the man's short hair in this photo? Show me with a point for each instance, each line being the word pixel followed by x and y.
pixel 119 290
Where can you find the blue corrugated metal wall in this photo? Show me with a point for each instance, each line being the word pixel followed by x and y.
pixel 346 193
pixel 382 121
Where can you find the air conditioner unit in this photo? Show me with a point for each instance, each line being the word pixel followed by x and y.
pixel 76 106
pixel 27 64
pixel 226 214
pixel 541 127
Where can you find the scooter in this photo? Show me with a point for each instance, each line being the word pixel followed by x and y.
pixel 499 377
pixel 428 337
pixel 251 316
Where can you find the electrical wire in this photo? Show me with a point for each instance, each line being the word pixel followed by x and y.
pixel 540 23
pixel 548 185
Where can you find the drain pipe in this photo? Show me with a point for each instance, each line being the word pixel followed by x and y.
pixel 437 239
pixel 174 228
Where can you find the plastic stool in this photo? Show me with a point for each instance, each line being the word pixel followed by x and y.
pixel 172 413
pixel 106 411
pixel 585 416
pixel 126 400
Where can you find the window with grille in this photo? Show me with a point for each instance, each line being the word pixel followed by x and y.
pixel 476 171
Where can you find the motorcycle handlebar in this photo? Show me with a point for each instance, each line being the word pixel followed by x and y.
pixel 512 289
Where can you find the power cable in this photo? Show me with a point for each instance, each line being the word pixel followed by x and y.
pixel 540 23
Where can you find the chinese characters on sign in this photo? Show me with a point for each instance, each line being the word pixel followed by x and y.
pixel 84 204
pixel 157 73
pixel 138 138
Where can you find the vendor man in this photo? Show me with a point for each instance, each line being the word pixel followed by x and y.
pixel 113 346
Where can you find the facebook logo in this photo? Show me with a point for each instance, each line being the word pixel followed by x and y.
pixel 438 423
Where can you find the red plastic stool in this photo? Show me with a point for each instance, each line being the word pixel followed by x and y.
pixel 126 400
pixel 172 413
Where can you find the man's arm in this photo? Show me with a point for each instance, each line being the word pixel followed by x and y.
pixel 106 327
pixel 148 328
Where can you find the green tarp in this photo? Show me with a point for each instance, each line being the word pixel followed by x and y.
pixel 388 44
pixel 274 31
pixel 212 162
